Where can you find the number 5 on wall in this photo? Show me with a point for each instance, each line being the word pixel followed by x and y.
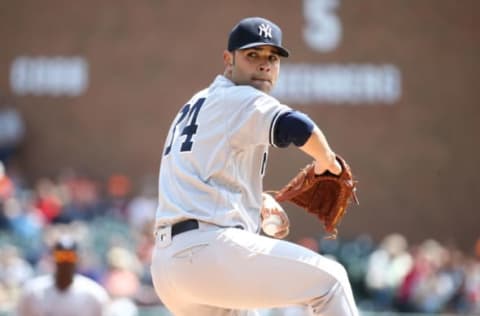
pixel 323 30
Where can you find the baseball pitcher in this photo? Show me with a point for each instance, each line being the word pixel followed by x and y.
pixel 209 257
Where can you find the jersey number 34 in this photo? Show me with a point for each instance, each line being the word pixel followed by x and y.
pixel 189 112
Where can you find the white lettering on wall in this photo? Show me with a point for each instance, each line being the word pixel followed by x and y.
pixel 53 76
pixel 335 84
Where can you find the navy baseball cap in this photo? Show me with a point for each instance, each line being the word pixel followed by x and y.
pixel 256 31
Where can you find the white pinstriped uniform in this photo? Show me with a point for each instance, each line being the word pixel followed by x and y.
pixel 219 178
pixel 212 171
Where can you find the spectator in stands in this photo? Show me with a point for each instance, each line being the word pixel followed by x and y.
pixel 81 199
pixel 25 222
pixel 471 289
pixel 48 199
pixel 119 188
pixel 121 278
pixel 141 208
pixel 64 292
pixel 435 287
pixel 387 267
pixel 7 189
pixel 14 272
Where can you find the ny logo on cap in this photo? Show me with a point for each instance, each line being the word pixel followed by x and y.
pixel 265 30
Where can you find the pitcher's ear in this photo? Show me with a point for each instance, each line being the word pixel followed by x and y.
pixel 227 58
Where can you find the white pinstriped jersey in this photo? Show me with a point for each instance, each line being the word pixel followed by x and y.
pixel 215 155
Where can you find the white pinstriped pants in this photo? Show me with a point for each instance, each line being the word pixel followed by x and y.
pixel 214 271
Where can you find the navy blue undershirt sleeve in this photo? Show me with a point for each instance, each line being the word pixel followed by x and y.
pixel 292 127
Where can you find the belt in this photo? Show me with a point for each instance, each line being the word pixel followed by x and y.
pixel 184 226
pixel 189 224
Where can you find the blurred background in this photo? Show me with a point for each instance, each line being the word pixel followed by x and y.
pixel 88 90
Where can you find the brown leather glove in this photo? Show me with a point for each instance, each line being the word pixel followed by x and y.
pixel 326 195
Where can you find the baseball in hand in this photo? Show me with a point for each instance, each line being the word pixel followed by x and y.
pixel 271 224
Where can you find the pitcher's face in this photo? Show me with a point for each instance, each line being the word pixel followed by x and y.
pixel 257 67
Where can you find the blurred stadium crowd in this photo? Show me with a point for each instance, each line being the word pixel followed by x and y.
pixel 113 222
